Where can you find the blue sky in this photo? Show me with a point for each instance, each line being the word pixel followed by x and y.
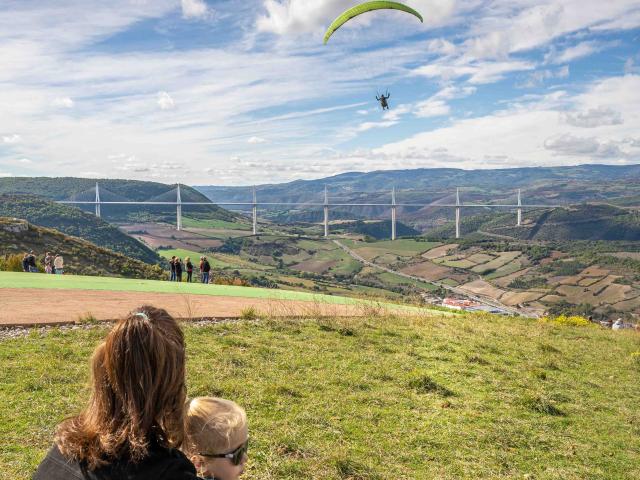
pixel 241 92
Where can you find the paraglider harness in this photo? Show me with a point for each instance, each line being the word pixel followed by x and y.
pixel 383 100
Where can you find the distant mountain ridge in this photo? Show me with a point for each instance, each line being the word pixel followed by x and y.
pixel 570 185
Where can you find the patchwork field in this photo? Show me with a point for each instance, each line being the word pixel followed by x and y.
pixel 470 397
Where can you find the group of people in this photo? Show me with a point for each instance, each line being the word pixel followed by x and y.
pixel 52 264
pixel 138 423
pixel 178 267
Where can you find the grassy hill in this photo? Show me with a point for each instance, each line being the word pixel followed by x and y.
pixel 465 397
pixel 582 222
pixel 73 221
pixel 70 188
pixel 80 256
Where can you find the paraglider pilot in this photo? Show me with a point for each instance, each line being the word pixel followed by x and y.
pixel 383 101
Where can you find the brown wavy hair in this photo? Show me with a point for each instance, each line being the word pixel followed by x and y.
pixel 138 393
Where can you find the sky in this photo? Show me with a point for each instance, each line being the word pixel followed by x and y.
pixel 242 92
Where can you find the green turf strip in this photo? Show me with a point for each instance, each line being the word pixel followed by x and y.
pixel 79 282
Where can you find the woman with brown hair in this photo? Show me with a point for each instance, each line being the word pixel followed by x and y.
pixel 133 425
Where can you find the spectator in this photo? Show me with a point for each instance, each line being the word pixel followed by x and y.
pixel 206 268
pixel 32 263
pixel 216 437
pixel 178 266
pixel 201 271
pixel 58 263
pixel 189 266
pixel 172 264
pixel 48 263
pixel 134 420
pixel 25 262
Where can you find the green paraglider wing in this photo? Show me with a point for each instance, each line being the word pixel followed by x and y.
pixel 363 8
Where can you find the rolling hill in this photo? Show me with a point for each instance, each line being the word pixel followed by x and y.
pixel 80 256
pixel 83 189
pixel 75 222
pixel 582 222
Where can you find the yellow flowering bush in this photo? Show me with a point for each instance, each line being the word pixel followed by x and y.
pixel 571 320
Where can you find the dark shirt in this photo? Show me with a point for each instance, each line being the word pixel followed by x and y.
pixel 173 265
pixel 178 268
pixel 161 464
pixel 205 266
pixel 189 267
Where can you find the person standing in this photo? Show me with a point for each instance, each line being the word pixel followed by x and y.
pixel 48 263
pixel 172 264
pixel 32 262
pixel 58 263
pixel 189 266
pixel 25 262
pixel 178 265
pixel 206 268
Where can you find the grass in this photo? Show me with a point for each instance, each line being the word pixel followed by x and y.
pixel 470 397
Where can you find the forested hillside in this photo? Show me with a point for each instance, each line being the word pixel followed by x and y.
pixel 80 256
pixel 83 189
pixel 73 221
pixel 582 222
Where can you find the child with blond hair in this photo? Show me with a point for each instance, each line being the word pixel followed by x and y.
pixel 216 437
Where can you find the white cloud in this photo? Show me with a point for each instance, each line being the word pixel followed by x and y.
pixel 537 78
pixel 570 145
pixel 165 102
pixel 580 50
pixel 475 72
pixel 527 134
pixel 12 139
pixel 594 117
pixel 256 140
pixel 441 46
pixel 194 9
pixel 63 102
pixel 431 108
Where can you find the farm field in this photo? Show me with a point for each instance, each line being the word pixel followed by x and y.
pixel 464 397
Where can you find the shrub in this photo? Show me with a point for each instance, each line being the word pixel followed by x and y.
pixel 11 263
pixel 635 358
pixel 249 313
pixel 573 320
pixel 425 384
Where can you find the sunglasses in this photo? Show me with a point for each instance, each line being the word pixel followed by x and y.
pixel 235 456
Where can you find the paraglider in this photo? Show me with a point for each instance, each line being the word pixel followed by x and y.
pixel 383 100
pixel 364 8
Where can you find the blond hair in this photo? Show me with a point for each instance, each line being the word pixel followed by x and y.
pixel 212 424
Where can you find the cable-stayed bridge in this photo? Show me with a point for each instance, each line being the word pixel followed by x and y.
pixel 98 197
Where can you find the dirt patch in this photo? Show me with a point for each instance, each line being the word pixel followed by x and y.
pixel 71 305
pixel 552 299
pixel 507 279
pixel 427 270
pixel 157 235
pixel 480 287
pixel 478 258
pixel 516 298
pixel 628 305
pixel 594 271
pixel 503 259
pixel 588 281
pixel 632 255
pixel 315 266
pixel 440 251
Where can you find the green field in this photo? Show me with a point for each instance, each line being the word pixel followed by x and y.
pixel 466 397
pixel 214 223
